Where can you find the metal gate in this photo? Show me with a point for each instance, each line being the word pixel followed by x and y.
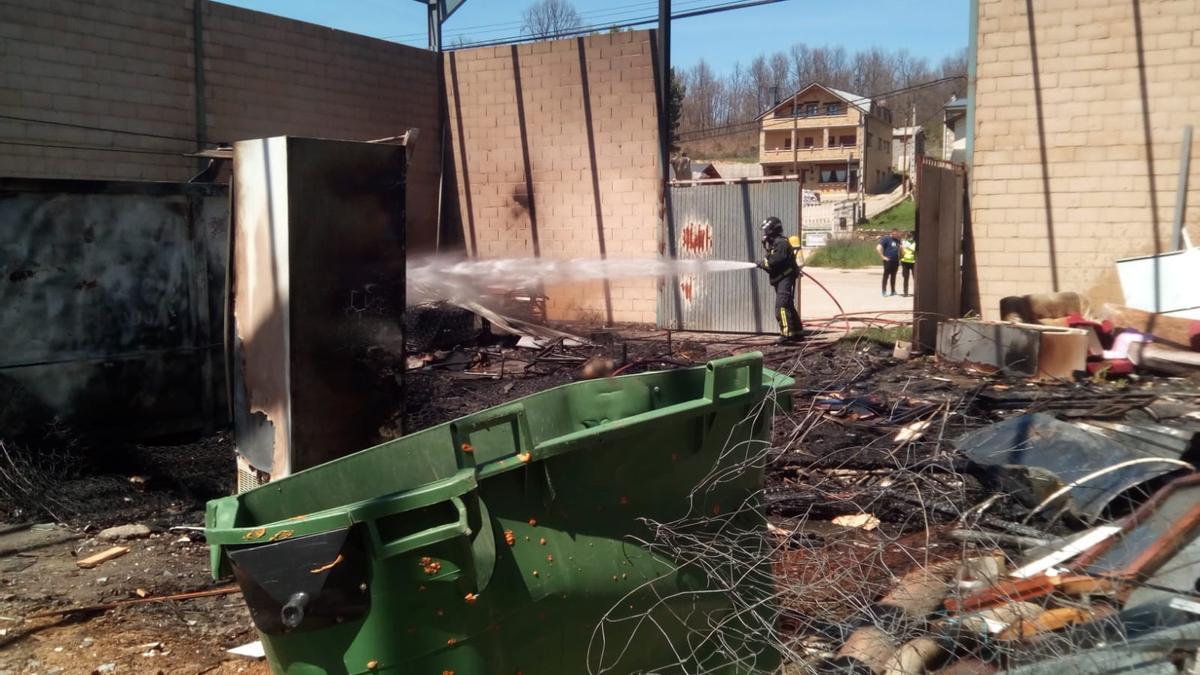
pixel 720 222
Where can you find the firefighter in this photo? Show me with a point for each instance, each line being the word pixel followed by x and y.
pixel 780 264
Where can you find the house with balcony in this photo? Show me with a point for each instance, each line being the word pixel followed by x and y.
pixel 831 138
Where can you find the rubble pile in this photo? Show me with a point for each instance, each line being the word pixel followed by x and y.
pixel 926 513
pixel 942 515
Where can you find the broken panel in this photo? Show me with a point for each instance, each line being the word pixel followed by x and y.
pixel 1033 456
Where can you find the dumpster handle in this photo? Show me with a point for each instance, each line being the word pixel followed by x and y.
pixel 427 537
pixel 751 361
pixel 512 414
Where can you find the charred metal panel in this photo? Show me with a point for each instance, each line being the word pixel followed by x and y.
pixel 111 297
pixel 318 298
pixel 720 222
pixel 1032 456
pixel 1015 349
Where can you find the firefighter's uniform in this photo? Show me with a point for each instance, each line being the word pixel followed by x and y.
pixel 780 264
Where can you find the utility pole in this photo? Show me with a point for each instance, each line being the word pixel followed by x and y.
pixel 911 137
pixel 799 191
pixel 664 79
pixel 862 163
pixel 796 166
pixel 849 165
pixel 664 145
pixel 904 162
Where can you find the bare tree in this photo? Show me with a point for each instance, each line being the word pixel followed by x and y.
pixel 760 77
pixel 551 18
pixel 781 75
pixel 706 104
pixel 831 67
pixel 741 99
pixel 873 73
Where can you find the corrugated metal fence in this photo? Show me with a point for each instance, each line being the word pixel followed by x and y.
pixel 720 222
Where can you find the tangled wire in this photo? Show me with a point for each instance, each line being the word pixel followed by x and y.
pixel 32 473
pixel 870 549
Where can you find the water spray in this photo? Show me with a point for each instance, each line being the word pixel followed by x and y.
pixel 435 279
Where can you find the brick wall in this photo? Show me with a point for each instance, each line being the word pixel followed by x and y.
pixel 1110 141
pixel 529 189
pixel 130 66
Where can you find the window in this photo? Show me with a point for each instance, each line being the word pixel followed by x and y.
pixel 811 108
pixel 833 175
pixel 808 141
pixel 833 109
pixel 787 143
pixel 847 141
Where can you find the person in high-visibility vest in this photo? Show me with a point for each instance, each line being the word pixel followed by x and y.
pixel 781 265
pixel 908 257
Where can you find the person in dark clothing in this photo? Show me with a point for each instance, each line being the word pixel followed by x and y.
pixel 783 270
pixel 888 249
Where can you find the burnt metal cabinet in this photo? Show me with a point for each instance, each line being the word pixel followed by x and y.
pixel 317 300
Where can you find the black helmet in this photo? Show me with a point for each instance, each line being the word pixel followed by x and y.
pixel 771 227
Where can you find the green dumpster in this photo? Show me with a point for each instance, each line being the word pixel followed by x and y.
pixel 520 539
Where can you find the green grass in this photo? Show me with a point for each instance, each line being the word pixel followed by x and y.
pixel 886 337
pixel 902 216
pixel 845 255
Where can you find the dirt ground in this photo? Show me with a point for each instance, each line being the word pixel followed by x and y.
pixel 165 487
pixel 82 487
pixel 38 570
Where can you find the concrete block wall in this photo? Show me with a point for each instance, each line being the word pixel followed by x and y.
pixel 131 66
pixel 529 189
pixel 268 76
pixel 122 65
pixel 1053 209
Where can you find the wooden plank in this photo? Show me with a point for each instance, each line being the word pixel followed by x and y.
pixel 191 595
pixel 1174 330
pixel 102 557
pixel 940 231
pixel 949 244
pixel 1165 359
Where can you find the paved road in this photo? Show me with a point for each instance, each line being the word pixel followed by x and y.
pixel 857 291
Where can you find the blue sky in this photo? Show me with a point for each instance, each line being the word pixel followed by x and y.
pixel 927 28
